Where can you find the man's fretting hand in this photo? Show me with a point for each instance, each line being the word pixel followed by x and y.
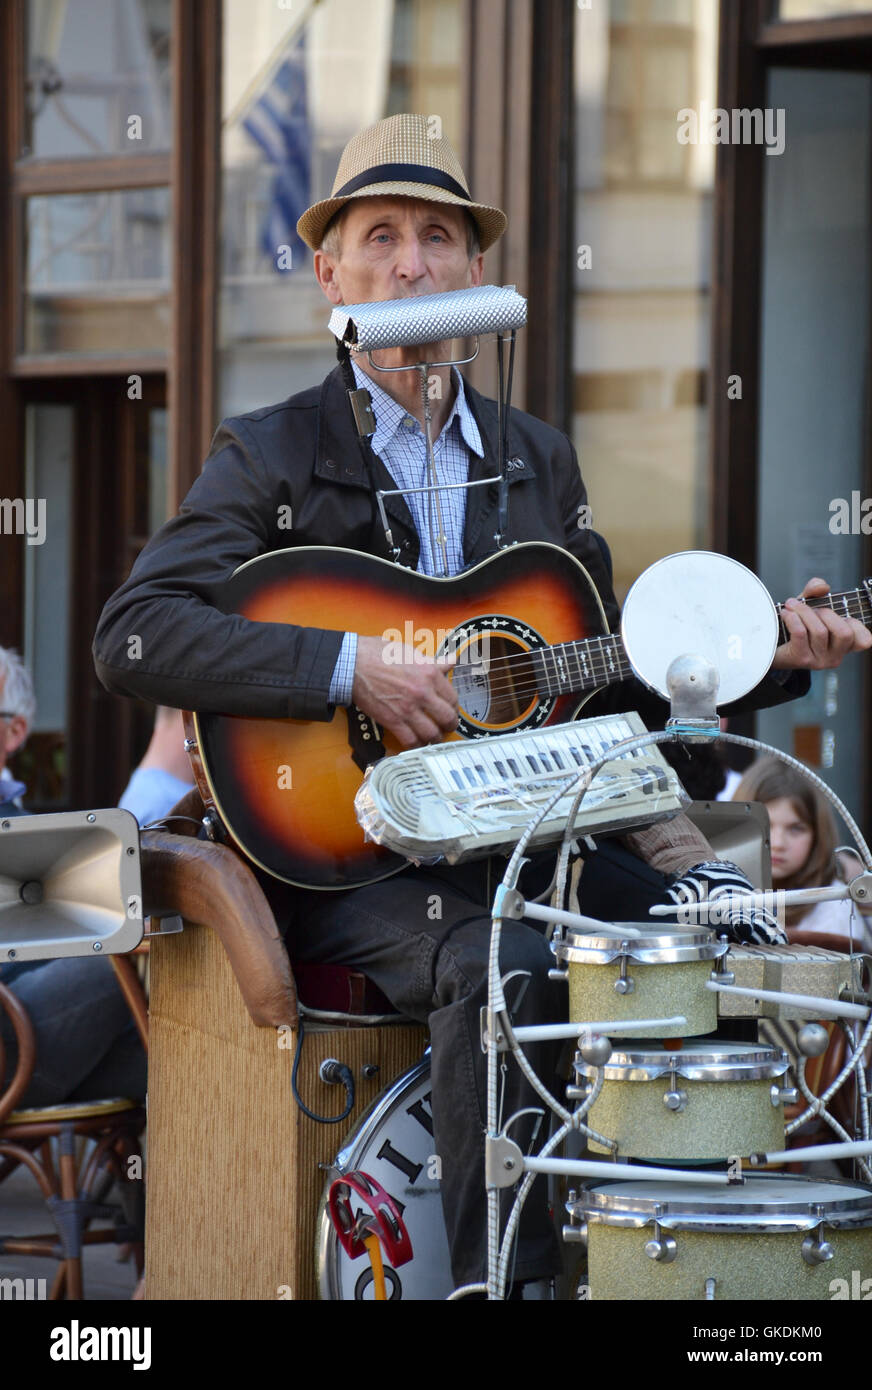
pixel 818 637
pixel 407 694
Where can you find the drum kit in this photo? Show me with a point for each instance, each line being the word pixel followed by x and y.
pixel 673 1123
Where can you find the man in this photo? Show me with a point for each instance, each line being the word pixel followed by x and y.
pixel 87 1047
pixel 163 776
pixel 17 708
pixel 400 223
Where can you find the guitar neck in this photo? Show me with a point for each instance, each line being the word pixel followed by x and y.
pixel 853 603
pixel 577 667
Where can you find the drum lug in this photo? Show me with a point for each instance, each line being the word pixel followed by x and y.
pixel 675 1098
pixel 575 1234
pixel 625 984
pixel 662 1248
pixel 815 1249
pixel 577 1092
pixel 576 1231
pixel 724 977
pixel 558 974
pixel 783 1095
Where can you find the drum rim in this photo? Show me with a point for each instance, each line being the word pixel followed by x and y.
pixel 753 1217
pixel 657 948
pixel 761 1062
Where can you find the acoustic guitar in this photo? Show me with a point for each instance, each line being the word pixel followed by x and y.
pixel 529 635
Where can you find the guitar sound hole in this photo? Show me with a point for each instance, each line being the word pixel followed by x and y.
pixel 495 681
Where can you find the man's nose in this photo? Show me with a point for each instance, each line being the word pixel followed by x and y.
pixel 410 264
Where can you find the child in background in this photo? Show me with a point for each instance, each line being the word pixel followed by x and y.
pixel 803 838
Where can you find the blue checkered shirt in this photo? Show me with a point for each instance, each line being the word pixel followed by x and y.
pixel 399 441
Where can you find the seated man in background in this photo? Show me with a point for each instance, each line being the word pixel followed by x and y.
pixel 163 776
pixel 87 1047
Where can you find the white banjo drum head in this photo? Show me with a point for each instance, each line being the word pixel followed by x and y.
pixel 701 604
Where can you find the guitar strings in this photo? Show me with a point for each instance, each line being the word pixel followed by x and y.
pixel 600 667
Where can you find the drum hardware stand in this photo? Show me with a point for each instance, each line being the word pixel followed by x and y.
pixel 833 1007
pixel 693 687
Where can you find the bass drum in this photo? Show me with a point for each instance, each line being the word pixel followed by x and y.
pixel 393 1144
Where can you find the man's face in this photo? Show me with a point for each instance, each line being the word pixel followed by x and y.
pixel 13 731
pixel 395 248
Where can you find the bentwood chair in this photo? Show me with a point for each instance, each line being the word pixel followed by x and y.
pixel 72 1150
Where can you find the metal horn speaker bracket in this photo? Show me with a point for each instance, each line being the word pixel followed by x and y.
pixel 70 885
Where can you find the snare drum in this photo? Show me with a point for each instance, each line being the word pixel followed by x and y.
pixel 656 975
pixel 707 1100
pixel 773 1237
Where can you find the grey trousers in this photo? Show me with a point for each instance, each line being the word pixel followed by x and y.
pixel 423 937
pixel 87 1046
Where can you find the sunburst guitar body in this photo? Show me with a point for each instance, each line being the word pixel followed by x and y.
pixel 528 632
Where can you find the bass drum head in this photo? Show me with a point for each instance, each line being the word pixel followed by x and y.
pixel 393 1144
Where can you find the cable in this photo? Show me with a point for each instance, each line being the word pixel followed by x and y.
pixel 331 1072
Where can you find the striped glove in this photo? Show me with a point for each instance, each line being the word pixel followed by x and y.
pixel 715 882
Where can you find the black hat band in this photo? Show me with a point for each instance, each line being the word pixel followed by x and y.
pixel 403 173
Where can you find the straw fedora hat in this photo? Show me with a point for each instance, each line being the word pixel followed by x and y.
pixel 400 157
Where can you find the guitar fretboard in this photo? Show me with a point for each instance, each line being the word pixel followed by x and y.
pixel 577 666
pixel 854 603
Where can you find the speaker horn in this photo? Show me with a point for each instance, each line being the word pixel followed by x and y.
pixel 70 885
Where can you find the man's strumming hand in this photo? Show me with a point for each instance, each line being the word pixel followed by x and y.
pixel 406 693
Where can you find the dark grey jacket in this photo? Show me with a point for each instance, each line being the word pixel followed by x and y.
pixel 303 454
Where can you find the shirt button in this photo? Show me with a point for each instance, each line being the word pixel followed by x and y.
pixel 408 422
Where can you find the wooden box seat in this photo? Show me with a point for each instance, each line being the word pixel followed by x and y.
pixel 235 1170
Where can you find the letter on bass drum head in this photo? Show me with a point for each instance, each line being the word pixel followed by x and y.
pixel 393 1144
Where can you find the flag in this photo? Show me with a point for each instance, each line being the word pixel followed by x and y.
pixel 279 123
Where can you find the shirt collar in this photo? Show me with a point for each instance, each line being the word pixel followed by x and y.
pixel 389 414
